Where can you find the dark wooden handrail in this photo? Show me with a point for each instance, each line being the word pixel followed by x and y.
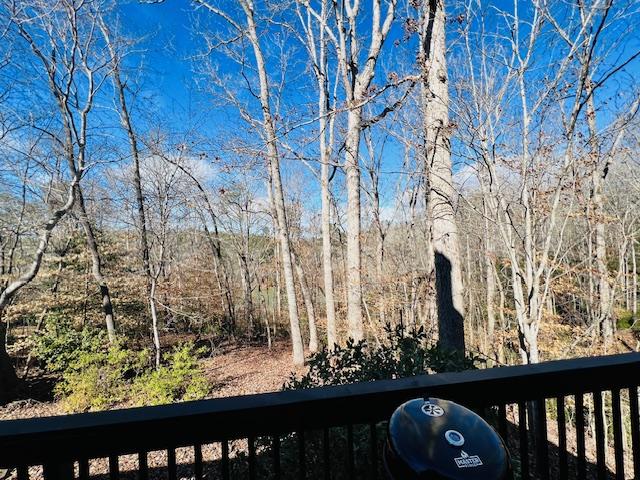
pixel 118 432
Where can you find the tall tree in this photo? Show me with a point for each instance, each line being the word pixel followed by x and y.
pixel 60 39
pixel 248 27
pixel 437 158
pixel 316 44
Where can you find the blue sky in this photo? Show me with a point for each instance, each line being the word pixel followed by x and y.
pixel 173 99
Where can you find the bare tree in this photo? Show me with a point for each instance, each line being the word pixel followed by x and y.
pixel 61 43
pixel 132 136
pixel 357 74
pixel 249 29
pixel 435 111
pixel 316 42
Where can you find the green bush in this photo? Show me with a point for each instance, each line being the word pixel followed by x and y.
pixel 98 380
pixel 59 345
pixel 96 376
pixel 627 320
pixel 400 354
pixel 180 378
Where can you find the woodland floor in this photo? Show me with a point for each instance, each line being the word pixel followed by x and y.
pixel 233 370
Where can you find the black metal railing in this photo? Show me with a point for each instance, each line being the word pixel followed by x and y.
pixel 563 419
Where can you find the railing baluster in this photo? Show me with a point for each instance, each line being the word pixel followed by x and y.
pixel 542 447
pixel 83 469
pixel 197 461
pixel 143 466
pixel 599 424
pixel 251 444
pixel 524 439
pixel 502 422
pixel 23 472
pixel 582 461
pixel 618 444
pixel 277 472
pixel 58 471
pixel 350 452
pixel 373 433
pixel 114 468
pixel 302 455
pixel 171 464
pixel 635 429
pixel 225 459
pixel 563 467
pixel 326 454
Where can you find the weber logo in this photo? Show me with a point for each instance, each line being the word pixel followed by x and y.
pixel 467 461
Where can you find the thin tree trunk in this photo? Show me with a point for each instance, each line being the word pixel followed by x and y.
pixel 96 268
pixel 490 272
pixel 246 288
pixel 634 280
pixel 435 105
pixel 276 179
pixel 125 120
pixel 154 319
pixel 326 130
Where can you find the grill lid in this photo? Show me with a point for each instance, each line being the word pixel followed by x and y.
pixel 438 439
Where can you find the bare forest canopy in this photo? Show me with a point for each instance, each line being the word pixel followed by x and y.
pixel 317 169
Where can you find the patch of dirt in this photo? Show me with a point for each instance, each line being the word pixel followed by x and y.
pixel 247 370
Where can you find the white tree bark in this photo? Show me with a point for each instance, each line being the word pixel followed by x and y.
pixel 278 194
pixel 435 108
pixel 318 53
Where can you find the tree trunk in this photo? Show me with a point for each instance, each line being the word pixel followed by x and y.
pixel 8 377
pixel 354 267
pixel 490 272
pixel 96 268
pixel 435 105
pixel 634 280
pixel 278 194
pixel 246 288
pixel 327 264
pixel 154 320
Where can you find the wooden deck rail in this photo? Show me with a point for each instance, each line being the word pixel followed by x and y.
pixel 59 442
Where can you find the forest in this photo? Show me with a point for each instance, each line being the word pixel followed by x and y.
pixel 179 177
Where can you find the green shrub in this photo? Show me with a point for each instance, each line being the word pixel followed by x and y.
pixel 59 345
pixel 180 378
pixel 626 320
pixel 96 376
pixel 400 354
pixel 98 380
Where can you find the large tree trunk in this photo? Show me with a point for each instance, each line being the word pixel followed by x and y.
pixel 96 265
pixel 354 264
pixel 435 104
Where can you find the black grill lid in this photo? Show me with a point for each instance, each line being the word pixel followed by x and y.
pixel 438 439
